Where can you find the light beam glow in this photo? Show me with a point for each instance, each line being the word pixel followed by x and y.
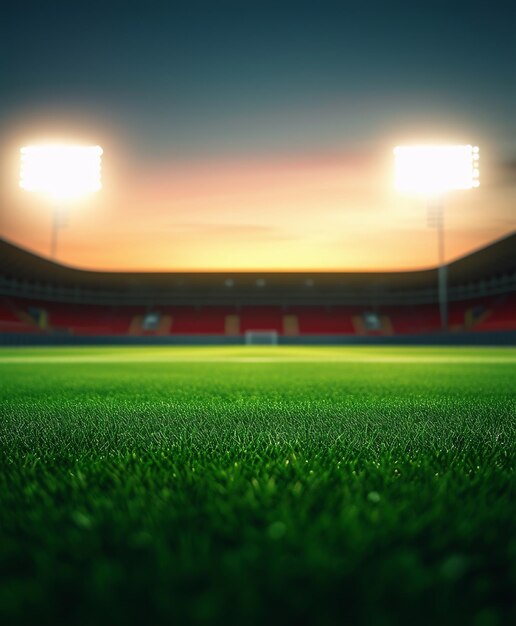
pixel 436 169
pixel 62 172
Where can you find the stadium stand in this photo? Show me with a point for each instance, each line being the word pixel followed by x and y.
pixel 39 297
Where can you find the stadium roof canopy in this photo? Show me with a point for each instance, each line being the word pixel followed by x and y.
pixel 32 275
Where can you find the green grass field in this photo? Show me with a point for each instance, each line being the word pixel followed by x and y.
pixel 256 485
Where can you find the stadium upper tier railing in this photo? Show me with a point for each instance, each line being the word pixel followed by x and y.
pixel 240 296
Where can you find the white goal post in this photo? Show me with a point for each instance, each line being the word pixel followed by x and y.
pixel 261 337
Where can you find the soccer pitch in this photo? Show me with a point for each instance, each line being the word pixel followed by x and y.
pixel 252 485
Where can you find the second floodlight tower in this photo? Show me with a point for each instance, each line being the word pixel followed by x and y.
pixel 62 173
pixel 433 171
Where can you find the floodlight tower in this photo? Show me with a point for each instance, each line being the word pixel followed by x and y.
pixel 433 171
pixel 62 173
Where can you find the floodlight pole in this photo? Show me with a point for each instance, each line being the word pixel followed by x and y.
pixel 56 223
pixel 436 205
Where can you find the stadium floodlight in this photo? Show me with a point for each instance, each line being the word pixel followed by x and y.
pixel 62 173
pixel 433 171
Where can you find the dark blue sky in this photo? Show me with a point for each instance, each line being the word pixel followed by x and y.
pixel 258 77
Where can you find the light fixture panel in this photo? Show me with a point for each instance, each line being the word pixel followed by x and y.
pixel 436 169
pixel 61 171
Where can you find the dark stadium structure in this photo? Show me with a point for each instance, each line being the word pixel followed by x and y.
pixel 42 302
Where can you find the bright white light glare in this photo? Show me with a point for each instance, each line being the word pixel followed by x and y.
pixel 61 171
pixel 433 170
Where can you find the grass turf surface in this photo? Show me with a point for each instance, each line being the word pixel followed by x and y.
pixel 246 485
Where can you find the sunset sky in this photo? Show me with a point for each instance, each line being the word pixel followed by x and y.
pixel 257 135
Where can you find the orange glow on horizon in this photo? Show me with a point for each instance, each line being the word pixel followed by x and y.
pixel 327 213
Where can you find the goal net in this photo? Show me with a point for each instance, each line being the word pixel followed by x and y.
pixel 261 338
